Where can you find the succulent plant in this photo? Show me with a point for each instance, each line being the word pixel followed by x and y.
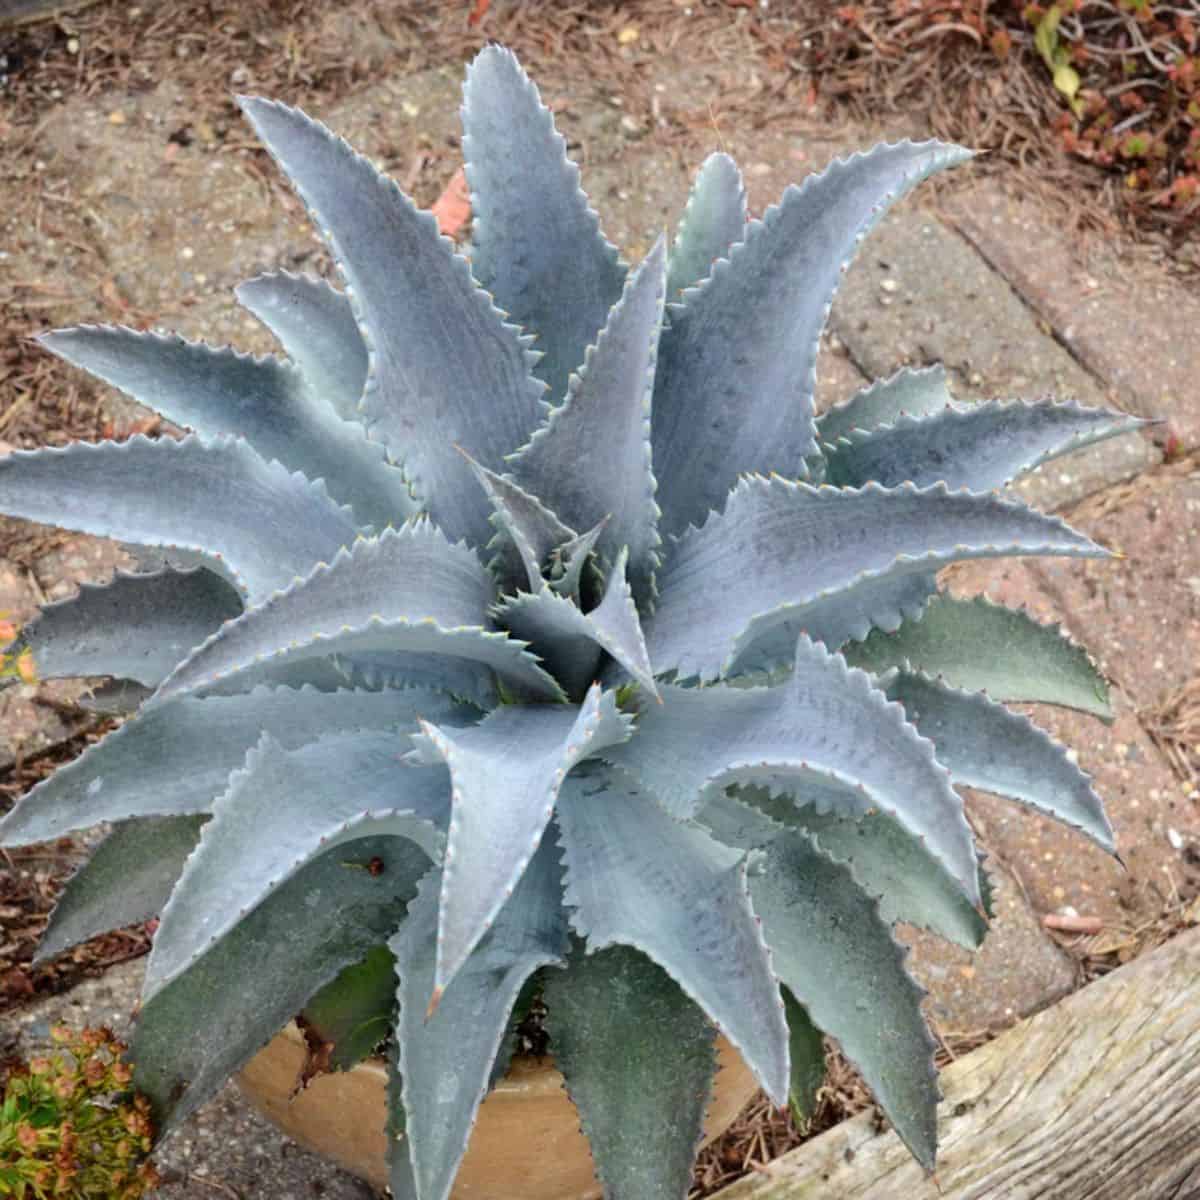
pixel 525 629
pixel 69 1125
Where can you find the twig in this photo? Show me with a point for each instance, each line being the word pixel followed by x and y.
pixel 216 1184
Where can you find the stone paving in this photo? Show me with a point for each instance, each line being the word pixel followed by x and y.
pixel 984 283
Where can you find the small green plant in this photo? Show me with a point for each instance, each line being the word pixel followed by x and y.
pixel 14 666
pixel 70 1125
pixel 526 627
pixel 1058 58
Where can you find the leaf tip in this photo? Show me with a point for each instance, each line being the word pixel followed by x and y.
pixel 434 1000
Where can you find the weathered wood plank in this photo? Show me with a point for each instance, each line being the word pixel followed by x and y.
pixel 1097 1098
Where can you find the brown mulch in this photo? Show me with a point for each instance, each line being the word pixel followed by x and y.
pixel 1124 147
pixel 1175 728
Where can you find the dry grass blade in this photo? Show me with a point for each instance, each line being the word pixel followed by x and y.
pixel 1175 727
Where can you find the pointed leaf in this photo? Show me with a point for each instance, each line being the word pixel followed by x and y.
pixel 281 810
pixel 266 401
pixel 616 626
pixel 714 219
pixel 981 447
pixel 194 1033
pixel 736 366
pixel 889 862
pixel 445 368
pixel 174 760
pixel 825 721
pixel 605 423
pixel 217 498
pixel 563 635
pixel 635 877
pixel 506 773
pixel 446 1059
pixel 980 646
pixel 558 633
pixel 409 590
pixel 537 245
pixel 887 597
pixel 984 745
pixel 134 627
pixel 353 1014
pixel 807 1052
pixel 840 961
pixel 569 560
pixel 527 526
pixel 827 561
pixel 911 391
pixel 315 325
pixel 638 1060
pixel 126 880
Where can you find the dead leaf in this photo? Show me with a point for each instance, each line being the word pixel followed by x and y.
pixel 317 1057
pixel 453 207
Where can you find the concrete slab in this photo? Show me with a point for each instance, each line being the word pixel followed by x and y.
pixel 1018 971
pixel 1067 480
pixel 1133 325
pixel 1157 826
pixel 837 377
pixel 181 225
pixel 1139 616
pixel 917 294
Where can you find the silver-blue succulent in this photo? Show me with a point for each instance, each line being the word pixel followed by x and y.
pixel 534 584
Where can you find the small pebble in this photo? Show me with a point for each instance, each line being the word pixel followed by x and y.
pixel 117 117
pixel 1174 838
pixel 889 285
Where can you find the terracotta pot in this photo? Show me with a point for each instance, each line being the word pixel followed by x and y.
pixel 526 1144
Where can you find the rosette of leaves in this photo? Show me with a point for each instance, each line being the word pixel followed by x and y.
pixel 523 629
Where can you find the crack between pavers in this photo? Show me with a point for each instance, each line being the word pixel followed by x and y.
pixel 1078 348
